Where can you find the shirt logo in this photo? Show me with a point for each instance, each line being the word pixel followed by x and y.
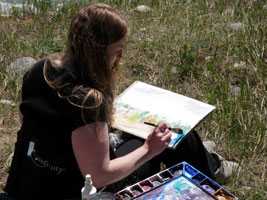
pixel 39 162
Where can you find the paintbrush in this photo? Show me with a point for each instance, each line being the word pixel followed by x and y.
pixel 176 130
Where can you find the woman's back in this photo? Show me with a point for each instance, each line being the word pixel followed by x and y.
pixel 43 160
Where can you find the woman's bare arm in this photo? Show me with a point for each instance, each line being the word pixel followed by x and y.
pixel 93 157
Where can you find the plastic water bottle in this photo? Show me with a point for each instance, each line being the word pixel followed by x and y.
pixel 88 191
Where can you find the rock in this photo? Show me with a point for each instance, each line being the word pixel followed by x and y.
pixel 21 65
pixel 7 102
pixel 143 9
pixel 174 70
pixel 236 90
pixel 237 26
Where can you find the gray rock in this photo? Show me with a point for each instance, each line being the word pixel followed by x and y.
pixel 7 102
pixel 236 90
pixel 143 9
pixel 21 65
pixel 237 26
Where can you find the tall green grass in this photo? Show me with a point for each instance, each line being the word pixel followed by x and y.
pixel 184 46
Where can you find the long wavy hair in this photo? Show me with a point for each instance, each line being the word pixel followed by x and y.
pixel 88 72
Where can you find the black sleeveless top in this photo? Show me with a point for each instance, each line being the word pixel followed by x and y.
pixel 44 166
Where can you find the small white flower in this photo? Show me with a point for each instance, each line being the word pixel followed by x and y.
pixel 208 58
pixel 240 64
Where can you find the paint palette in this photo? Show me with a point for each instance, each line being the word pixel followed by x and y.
pixel 179 182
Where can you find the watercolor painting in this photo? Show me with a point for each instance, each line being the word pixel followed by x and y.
pixel 142 102
pixel 131 120
pixel 177 189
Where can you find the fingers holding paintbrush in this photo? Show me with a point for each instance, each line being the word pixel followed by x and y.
pixel 176 130
pixel 158 139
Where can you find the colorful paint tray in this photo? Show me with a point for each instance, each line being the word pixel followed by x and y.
pixel 179 182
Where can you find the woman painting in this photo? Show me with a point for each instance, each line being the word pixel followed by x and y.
pixel 66 110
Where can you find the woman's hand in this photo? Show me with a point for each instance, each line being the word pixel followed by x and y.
pixel 158 140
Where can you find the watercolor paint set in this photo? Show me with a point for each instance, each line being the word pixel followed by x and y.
pixel 181 181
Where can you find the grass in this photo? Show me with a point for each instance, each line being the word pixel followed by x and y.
pixel 184 46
